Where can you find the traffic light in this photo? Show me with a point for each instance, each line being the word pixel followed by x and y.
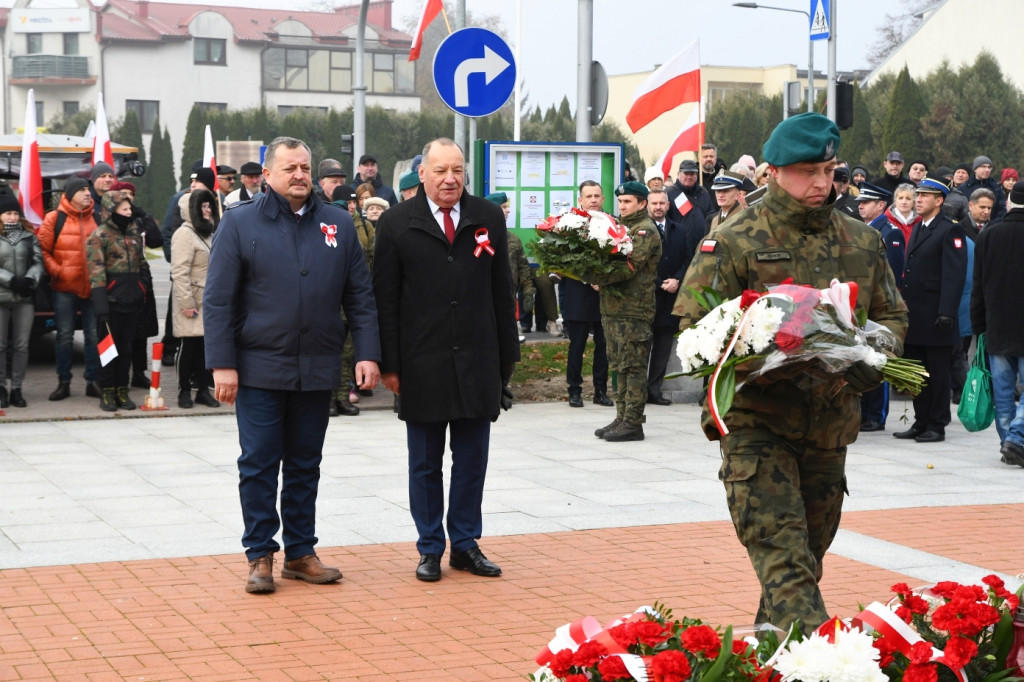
pixel 844 105
pixel 346 144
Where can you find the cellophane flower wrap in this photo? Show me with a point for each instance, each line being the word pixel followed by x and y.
pixel 813 331
pixel 578 243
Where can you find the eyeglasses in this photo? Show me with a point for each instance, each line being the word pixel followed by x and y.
pixel 227 178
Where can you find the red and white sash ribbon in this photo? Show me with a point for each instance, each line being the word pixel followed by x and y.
pixel 483 243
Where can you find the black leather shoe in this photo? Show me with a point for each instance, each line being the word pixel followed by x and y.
pixel 185 399
pixel 474 561
pixel 140 381
pixel 333 412
pixel 658 400
pixel 575 399
pixel 92 389
pixel 930 437
pixel 62 391
pixel 17 400
pixel 601 398
pixel 912 432
pixel 871 425
pixel 1012 453
pixel 429 569
pixel 203 397
pixel 346 408
pixel 3 396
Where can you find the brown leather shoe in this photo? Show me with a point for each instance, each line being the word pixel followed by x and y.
pixel 261 575
pixel 310 569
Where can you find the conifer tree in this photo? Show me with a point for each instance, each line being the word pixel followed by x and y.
pixel 192 148
pixel 902 131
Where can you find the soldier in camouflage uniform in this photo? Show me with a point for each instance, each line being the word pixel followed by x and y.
pixel 522 276
pixel 783 461
pixel 627 313
pixel 117 275
pixel 345 395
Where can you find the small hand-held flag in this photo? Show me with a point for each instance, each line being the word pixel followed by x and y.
pixel 209 158
pixel 30 180
pixel 107 349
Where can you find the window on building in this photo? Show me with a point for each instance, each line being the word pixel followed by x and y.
pixel 70 109
pixel 283 111
pixel 34 43
pixel 210 51
pixel 40 119
pixel 146 110
pixel 312 70
pixel 212 106
pixel 71 43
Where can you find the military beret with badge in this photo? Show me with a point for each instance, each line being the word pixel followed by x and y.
pixel 637 189
pixel 805 138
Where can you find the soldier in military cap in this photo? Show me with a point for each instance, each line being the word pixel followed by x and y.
pixel 627 312
pixel 726 187
pixel 783 460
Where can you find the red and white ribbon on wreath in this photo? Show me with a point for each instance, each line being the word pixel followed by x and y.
pixel 569 636
pixel 329 232
pixel 483 243
pixel 893 630
pixel 617 233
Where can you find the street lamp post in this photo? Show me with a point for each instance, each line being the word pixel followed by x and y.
pixel 810 49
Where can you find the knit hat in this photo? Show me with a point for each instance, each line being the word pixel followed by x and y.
pixel 9 202
pixel 101 168
pixel 343 193
pixel 963 167
pixel 861 170
pixel 1017 194
pixel 1007 174
pixel 807 137
pixel 73 185
pixel 748 161
pixel 376 201
pixel 980 161
pixel 205 176
pixel 943 172
pixel 653 172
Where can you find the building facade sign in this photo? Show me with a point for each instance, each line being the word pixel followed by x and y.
pixel 49 20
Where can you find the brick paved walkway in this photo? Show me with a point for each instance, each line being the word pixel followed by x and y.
pixel 189 618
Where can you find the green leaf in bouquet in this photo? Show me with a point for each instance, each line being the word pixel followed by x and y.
pixel 725 388
pixel 722 662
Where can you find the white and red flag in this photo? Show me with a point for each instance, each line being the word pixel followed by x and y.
pixel 430 12
pixel 675 82
pixel 209 158
pixel 30 180
pixel 107 349
pixel 101 143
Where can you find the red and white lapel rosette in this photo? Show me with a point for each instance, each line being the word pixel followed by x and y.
pixel 329 232
pixel 483 242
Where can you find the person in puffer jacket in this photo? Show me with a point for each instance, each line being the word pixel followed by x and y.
pixel 21 266
pixel 117 267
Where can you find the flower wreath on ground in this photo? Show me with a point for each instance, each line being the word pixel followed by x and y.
pixel 577 243
pixel 789 324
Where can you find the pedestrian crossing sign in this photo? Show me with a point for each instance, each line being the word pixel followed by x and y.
pixel 821 21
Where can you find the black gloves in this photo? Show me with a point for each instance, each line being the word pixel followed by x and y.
pixel 506 397
pixel 101 325
pixel 944 324
pixel 862 377
pixel 22 286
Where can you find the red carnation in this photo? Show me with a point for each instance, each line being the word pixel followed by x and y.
pixel 561 663
pixel 670 666
pixel 588 654
pixel 612 668
pixel 886 651
pixel 702 639
pixel 650 632
pixel 946 588
pixel 577 677
pixel 921 673
pixel 920 652
pixel 994 581
pixel 959 651
pixel 902 589
pixel 748 297
pixel 623 635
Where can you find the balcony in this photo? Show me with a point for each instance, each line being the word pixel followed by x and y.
pixel 54 69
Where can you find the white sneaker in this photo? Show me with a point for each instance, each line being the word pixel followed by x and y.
pixel 553 328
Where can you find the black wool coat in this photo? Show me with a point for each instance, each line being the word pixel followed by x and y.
pixel 933 280
pixel 446 312
pixel 678 245
pixel 995 298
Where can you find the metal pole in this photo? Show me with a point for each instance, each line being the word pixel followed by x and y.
pixel 584 59
pixel 517 106
pixel 470 154
pixel 832 64
pixel 460 121
pixel 359 91
pixel 810 77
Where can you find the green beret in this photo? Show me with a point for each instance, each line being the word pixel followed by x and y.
pixel 408 181
pixel 637 189
pixel 498 198
pixel 807 137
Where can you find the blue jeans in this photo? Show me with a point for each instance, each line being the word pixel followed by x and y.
pixel 1007 370
pixel 64 307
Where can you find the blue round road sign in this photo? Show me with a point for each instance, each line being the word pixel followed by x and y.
pixel 474 72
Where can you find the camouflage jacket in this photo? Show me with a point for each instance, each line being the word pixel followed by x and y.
pixel 118 271
pixel 764 244
pixel 522 276
pixel 628 290
pixel 367 233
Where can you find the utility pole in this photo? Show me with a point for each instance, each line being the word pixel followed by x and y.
pixel 584 61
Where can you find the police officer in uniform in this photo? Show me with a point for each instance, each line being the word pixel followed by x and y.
pixel 627 312
pixel 783 460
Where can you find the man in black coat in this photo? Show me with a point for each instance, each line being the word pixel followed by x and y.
pixel 982 167
pixel 581 317
pixel 933 280
pixel 678 244
pixel 367 172
pixel 699 198
pixel 449 345
pixel 996 312
pixel 893 176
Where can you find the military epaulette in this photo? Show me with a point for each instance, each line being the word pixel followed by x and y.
pixel 237 204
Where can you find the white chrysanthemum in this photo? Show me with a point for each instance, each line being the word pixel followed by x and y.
pixel 762 326
pixel 570 220
pixel 806 661
pixel 686 349
pixel 852 658
pixel 599 226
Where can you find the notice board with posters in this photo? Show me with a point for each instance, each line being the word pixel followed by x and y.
pixel 543 178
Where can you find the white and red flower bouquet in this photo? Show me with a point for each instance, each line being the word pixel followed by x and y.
pixel 579 242
pixel 789 324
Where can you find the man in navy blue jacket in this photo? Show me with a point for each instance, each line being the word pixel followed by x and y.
pixel 282 268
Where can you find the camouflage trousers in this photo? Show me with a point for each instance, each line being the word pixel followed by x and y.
pixel 628 340
pixel 785 500
pixel 348 365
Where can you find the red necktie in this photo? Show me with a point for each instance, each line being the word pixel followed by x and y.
pixel 449 226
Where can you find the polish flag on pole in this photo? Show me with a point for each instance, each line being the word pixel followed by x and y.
pixel 30 180
pixel 688 139
pixel 107 349
pixel 101 143
pixel 209 158
pixel 430 12
pixel 673 83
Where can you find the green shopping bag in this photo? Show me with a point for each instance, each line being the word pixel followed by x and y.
pixel 977 410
